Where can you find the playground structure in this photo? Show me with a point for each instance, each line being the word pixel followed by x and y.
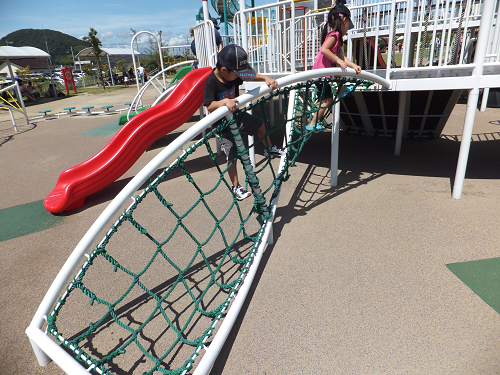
pixel 469 34
pixel 206 315
pixel 279 53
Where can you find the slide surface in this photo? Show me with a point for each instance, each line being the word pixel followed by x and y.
pixel 372 49
pixel 131 141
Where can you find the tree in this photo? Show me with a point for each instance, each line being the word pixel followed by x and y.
pixel 24 72
pixel 151 59
pixel 120 65
pixel 93 41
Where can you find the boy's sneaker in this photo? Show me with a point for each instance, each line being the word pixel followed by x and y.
pixel 275 151
pixel 347 91
pixel 240 193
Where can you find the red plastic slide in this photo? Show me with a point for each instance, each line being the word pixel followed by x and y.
pixel 131 141
pixel 380 60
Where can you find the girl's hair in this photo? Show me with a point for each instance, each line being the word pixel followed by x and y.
pixel 334 23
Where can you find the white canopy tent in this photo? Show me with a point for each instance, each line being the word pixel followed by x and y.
pixel 88 52
pixel 7 53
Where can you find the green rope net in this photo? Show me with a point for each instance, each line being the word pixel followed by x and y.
pixel 152 293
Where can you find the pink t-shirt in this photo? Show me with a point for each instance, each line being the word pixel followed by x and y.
pixel 321 61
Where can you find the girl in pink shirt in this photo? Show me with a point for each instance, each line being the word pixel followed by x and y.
pixel 332 54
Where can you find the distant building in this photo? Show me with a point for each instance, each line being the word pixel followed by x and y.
pixel 37 65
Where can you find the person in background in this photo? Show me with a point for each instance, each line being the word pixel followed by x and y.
pixel 25 92
pixel 32 91
pixel 218 41
pixel 53 92
pixel 142 73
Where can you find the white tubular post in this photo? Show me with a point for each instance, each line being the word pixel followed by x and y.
pixel 13 119
pixel 470 113
pixel 292 37
pixel 463 156
pixel 83 74
pixel 401 120
pixel 41 356
pixel 243 23
pixel 110 71
pixel 18 92
pixel 484 99
pixel 407 36
pixel 334 162
pixel 206 12
pixel 390 44
pixel 251 150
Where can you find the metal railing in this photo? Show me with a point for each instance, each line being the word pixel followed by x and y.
pixel 206 48
pixel 407 33
pixel 268 34
pixel 157 84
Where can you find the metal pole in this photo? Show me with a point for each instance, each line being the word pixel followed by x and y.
pixel 19 98
pixel 13 119
pixel 72 54
pixel 243 22
pixel 292 37
pixel 110 71
pixel 225 16
pixel 391 37
pixel 334 161
pixel 80 62
pixel 206 12
pixel 161 60
pixel 401 121
pixel 481 47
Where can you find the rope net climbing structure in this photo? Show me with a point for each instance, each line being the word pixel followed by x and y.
pixel 152 293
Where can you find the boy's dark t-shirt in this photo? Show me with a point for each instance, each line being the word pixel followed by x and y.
pixel 215 90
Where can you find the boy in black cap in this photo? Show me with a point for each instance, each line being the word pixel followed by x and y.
pixel 222 89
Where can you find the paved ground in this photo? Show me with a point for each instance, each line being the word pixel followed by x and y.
pixel 356 282
pixel 115 98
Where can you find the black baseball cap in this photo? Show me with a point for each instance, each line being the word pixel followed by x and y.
pixel 214 21
pixel 235 58
pixel 342 9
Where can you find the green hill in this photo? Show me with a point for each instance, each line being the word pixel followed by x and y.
pixel 59 43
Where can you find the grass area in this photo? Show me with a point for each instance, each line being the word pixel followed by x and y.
pixel 398 58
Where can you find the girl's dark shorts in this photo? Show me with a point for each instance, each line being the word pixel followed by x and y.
pixel 247 125
pixel 328 90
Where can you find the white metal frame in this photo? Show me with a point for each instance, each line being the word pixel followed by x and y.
pixel 15 86
pixel 206 48
pixel 137 101
pixel 47 349
pixel 135 63
pixel 272 47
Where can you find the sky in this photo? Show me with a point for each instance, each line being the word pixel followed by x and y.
pixel 112 19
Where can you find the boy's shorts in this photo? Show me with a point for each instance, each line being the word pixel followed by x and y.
pixel 328 90
pixel 247 125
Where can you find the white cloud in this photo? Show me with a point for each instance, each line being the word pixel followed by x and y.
pixel 180 40
pixel 106 35
pixel 123 35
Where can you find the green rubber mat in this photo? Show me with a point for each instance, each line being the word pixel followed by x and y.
pixel 25 219
pixel 482 277
pixel 103 130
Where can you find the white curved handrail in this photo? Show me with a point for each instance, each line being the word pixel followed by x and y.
pixel 34 331
pixel 138 97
